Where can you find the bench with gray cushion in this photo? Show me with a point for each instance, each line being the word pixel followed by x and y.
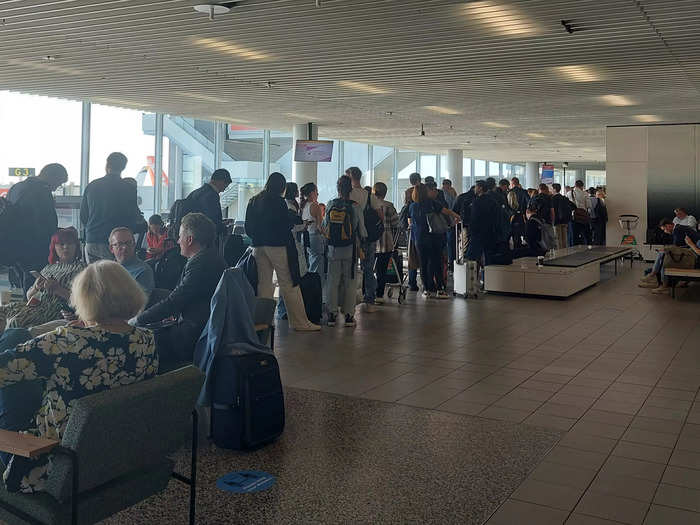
pixel 121 442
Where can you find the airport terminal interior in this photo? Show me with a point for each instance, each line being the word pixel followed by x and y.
pixel 525 342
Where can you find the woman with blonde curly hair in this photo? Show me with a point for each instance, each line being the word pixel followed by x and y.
pixel 99 351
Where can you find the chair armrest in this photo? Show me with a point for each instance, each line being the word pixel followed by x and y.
pixel 25 445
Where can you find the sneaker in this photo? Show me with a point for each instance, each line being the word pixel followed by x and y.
pixel 661 289
pixel 331 319
pixel 308 328
pixel 370 308
pixel 649 284
pixel 648 278
pixel 427 294
pixel 349 320
pixel 442 294
pixel 379 300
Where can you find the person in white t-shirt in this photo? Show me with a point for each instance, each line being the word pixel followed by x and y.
pixel 360 196
pixel 683 219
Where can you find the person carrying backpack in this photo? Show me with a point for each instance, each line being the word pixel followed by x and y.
pixel 344 229
pixel 34 207
pixel 562 216
pixel 540 238
pixel 372 219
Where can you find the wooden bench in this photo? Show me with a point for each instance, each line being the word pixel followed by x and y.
pixel 675 275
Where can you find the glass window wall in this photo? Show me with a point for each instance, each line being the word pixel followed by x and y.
pixel 406 164
pixel 495 170
pixel 357 154
pixel 595 178
pixel 242 156
pixel 428 166
pixel 479 169
pixel 327 175
pixel 37 131
pixel 383 170
pixel 467 177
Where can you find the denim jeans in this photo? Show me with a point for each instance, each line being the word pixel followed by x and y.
pixel 317 253
pixel 370 281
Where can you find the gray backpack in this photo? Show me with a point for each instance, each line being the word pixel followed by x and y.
pixel 547 239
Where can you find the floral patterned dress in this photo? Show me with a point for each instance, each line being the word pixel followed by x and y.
pixel 22 315
pixel 73 362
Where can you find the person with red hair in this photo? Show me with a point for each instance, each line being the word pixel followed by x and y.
pixel 49 294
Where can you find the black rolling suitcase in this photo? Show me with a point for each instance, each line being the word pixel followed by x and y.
pixel 247 400
pixel 312 294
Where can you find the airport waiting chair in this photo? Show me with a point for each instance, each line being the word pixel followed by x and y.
pixel 116 452
pixel 264 320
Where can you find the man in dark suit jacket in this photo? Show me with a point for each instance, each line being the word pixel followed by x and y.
pixel 206 200
pixel 189 301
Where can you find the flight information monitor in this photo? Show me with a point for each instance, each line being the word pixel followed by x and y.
pixel 313 151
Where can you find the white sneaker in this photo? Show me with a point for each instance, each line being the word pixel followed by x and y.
pixel 427 294
pixel 661 289
pixel 308 328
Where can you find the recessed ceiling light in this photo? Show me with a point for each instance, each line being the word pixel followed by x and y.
pixel 617 100
pixel 579 73
pixel 303 116
pixel 229 119
pixel 230 48
pixel 362 86
pixel 565 144
pixel 501 19
pixel 199 96
pixel 443 110
pixel 535 135
pixel 647 118
pixel 492 124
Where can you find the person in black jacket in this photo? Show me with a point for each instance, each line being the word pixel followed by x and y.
pixel 482 225
pixel 189 301
pixel 109 202
pixel 206 199
pixel 37 209
pixel 268 224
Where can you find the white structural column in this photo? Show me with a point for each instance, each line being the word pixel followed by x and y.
pixel 532 175
pixel 454 169
pixel 304 172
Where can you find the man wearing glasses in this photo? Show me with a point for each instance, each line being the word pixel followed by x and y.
pixel 123 246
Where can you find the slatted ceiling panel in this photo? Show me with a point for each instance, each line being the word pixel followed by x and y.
pixel 422 52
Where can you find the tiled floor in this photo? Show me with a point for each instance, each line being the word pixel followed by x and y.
pixel 615 367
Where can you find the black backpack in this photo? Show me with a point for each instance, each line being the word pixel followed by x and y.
pixel 178 210
pixel 373 222
pixel 10 234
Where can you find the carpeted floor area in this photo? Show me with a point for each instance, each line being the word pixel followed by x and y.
pixel 349 460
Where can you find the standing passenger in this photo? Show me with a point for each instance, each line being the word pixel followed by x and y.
pixel 206 199
pixel 344 230
pixel 268 225
pixel 108 202
pixel 385 245
pixel 37 211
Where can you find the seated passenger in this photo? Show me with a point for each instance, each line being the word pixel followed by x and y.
pixel 157 238
pixel 189 301
pixel 49 294
pixel 536 243
pixel 97 353
pixel 123 246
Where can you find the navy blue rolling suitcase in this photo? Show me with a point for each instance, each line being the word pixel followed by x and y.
pixel 247 400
